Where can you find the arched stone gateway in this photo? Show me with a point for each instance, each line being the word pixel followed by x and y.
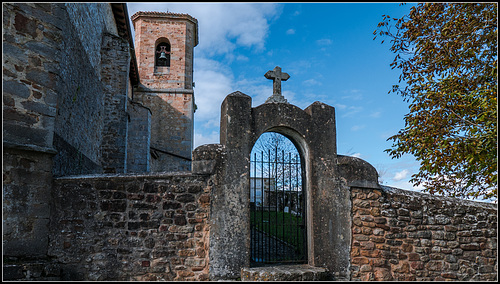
pixel 312 131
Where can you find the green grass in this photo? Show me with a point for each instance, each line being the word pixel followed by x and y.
pixel 281 225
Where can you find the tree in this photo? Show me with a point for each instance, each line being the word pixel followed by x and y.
pixel 447 53
pixel 280 156
pixel 274 157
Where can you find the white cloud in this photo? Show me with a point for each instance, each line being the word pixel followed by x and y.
pixel 404 184
pixel 353 94
pixel 324 41
pixel 352 110
pixel 222 26
pixel 357 127
pixel 242 58
pixel 340 106
pixel 375 114
pixel 299 67
pixel 290 32
pixel 357 155
pixel 200 139
pixel 312 82
pixel 213 84
pixel 400 175
pixel 259 90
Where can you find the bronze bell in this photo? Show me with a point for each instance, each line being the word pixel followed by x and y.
pixel 162 55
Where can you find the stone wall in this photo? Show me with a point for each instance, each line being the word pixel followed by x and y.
pixel 31 47
pixel 124 227
pixel 27 181
pixel 31 40
pixel 82 115
pixel 410 236
pixel 115 65
pixel 171 129
pixel 161 227
pixel 90 22
pixel 138 139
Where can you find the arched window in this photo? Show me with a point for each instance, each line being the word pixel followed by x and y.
pixel 162 54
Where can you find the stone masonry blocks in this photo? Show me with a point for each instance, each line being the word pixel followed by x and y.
pixel 408 236
pixel 125 228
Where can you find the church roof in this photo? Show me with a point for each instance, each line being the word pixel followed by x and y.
pixel 121 18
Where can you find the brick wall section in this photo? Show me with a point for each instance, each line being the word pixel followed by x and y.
pixel 125 228
pixel 408 236
pixel 180 30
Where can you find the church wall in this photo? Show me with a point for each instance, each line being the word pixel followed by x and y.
pixel 31 38
pixel 409 236
pixel 115 65
pixel 52 118
pixel 26 203
pixel 80 123
pixel 89 22
pixel 171 128
pixel 138 140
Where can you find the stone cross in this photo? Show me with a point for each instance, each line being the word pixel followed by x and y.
pixel 277 76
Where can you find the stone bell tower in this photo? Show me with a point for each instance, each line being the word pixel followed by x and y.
pixel 164 48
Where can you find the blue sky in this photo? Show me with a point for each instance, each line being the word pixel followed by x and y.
pixel 329 52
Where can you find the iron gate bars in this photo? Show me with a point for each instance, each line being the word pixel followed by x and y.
pixel 277 211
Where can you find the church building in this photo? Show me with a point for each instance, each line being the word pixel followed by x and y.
pixel 78 99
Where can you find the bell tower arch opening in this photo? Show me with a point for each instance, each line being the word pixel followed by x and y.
pixel 162 54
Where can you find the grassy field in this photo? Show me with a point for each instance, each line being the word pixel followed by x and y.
pixel 284 226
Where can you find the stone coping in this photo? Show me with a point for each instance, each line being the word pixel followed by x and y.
pixel 129 175
pixel 294 272
pixel 417 194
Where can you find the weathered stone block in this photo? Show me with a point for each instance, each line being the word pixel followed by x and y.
pixel 184 198
pixel 16 88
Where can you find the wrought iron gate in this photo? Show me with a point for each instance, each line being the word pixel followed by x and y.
pixel 277 211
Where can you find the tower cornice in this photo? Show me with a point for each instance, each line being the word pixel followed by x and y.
pixel 155 14
pixel 168 15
